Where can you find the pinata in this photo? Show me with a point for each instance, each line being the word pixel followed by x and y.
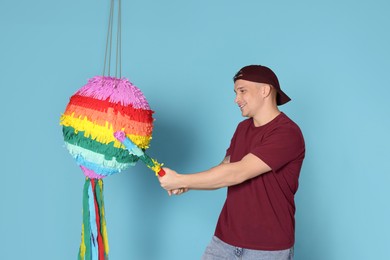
pixel 99 117
pixel 107 126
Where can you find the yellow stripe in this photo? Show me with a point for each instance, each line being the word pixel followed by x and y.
pixel 156 166
pixel 103 134
pixel 103 221
pixel 82 245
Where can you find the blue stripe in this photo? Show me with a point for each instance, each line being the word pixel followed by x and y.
pixel 98 169
pixel 92 215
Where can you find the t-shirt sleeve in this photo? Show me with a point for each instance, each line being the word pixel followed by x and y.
pixel 229 150
pixel 279 147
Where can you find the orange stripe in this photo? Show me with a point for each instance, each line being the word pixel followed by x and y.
pixel 138 114
pixel 119 122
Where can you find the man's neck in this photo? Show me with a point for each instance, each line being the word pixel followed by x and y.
pixel 265 116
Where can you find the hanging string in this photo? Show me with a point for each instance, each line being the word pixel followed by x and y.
pixel 109 40
pixel 118 65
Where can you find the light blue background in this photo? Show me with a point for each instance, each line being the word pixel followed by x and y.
pixel 332 57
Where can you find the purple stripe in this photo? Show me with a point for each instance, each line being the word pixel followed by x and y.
pixel 120 91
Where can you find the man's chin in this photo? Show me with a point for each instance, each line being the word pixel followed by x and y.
pixel 245 114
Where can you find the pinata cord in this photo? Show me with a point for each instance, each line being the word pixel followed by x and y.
pixel 107 60
pixel 94 242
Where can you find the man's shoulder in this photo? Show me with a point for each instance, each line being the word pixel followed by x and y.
pixel 287 126
pixel 286 121
pixel 245 123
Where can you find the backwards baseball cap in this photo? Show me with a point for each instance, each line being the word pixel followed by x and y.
pixel 262 74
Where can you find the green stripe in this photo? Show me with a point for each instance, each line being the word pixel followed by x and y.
pixel 147 160
pixel 108 150
pixel 87 226
pixel 99 199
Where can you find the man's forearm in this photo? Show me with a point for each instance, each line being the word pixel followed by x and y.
pixel 220 176
pixel 225 174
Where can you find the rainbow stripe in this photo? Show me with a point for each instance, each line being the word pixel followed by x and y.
pixel 94 113
pixel 94 239
pixel 101 107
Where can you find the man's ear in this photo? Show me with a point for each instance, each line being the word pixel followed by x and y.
pixel 266 90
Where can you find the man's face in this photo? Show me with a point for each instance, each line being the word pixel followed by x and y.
pixel 248 97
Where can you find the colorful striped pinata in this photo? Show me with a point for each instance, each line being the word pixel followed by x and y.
pixel 103 107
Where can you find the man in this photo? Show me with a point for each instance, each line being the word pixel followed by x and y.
pixel 261 171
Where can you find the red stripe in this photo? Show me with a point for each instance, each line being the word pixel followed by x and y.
pixel 136 114
pixel 118 121
pixel 99 238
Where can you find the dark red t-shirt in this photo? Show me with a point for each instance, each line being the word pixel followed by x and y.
pixel 259 213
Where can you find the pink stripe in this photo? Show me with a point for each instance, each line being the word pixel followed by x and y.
pixel 120 91
pixel 91 174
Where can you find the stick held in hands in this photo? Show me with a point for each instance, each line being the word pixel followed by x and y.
pixel 134 149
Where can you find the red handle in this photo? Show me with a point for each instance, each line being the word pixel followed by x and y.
pixel 161 173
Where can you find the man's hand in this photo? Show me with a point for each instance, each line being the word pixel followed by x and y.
pixel 177 191
pixel 171 182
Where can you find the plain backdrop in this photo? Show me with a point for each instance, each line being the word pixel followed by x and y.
pixel 332 58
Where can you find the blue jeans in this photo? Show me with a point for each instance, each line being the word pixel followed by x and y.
pixel 217 249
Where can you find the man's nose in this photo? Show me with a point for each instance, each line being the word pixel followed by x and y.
pixel 236 99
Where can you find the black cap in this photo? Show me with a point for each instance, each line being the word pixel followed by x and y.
pixel 262 74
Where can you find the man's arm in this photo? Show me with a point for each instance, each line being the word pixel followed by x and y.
pixel 224 175
pixel 226 159
pixel 183 190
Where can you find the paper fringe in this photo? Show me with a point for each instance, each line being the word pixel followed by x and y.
pixel 90 173
pixel 115 121
pixel 136 114
pixel 97 168
pixel 135 150
pixel 108 150
pixel 96 158
pixel 102 134
pixel 94 240
pixel 99 194
pixel 115 90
